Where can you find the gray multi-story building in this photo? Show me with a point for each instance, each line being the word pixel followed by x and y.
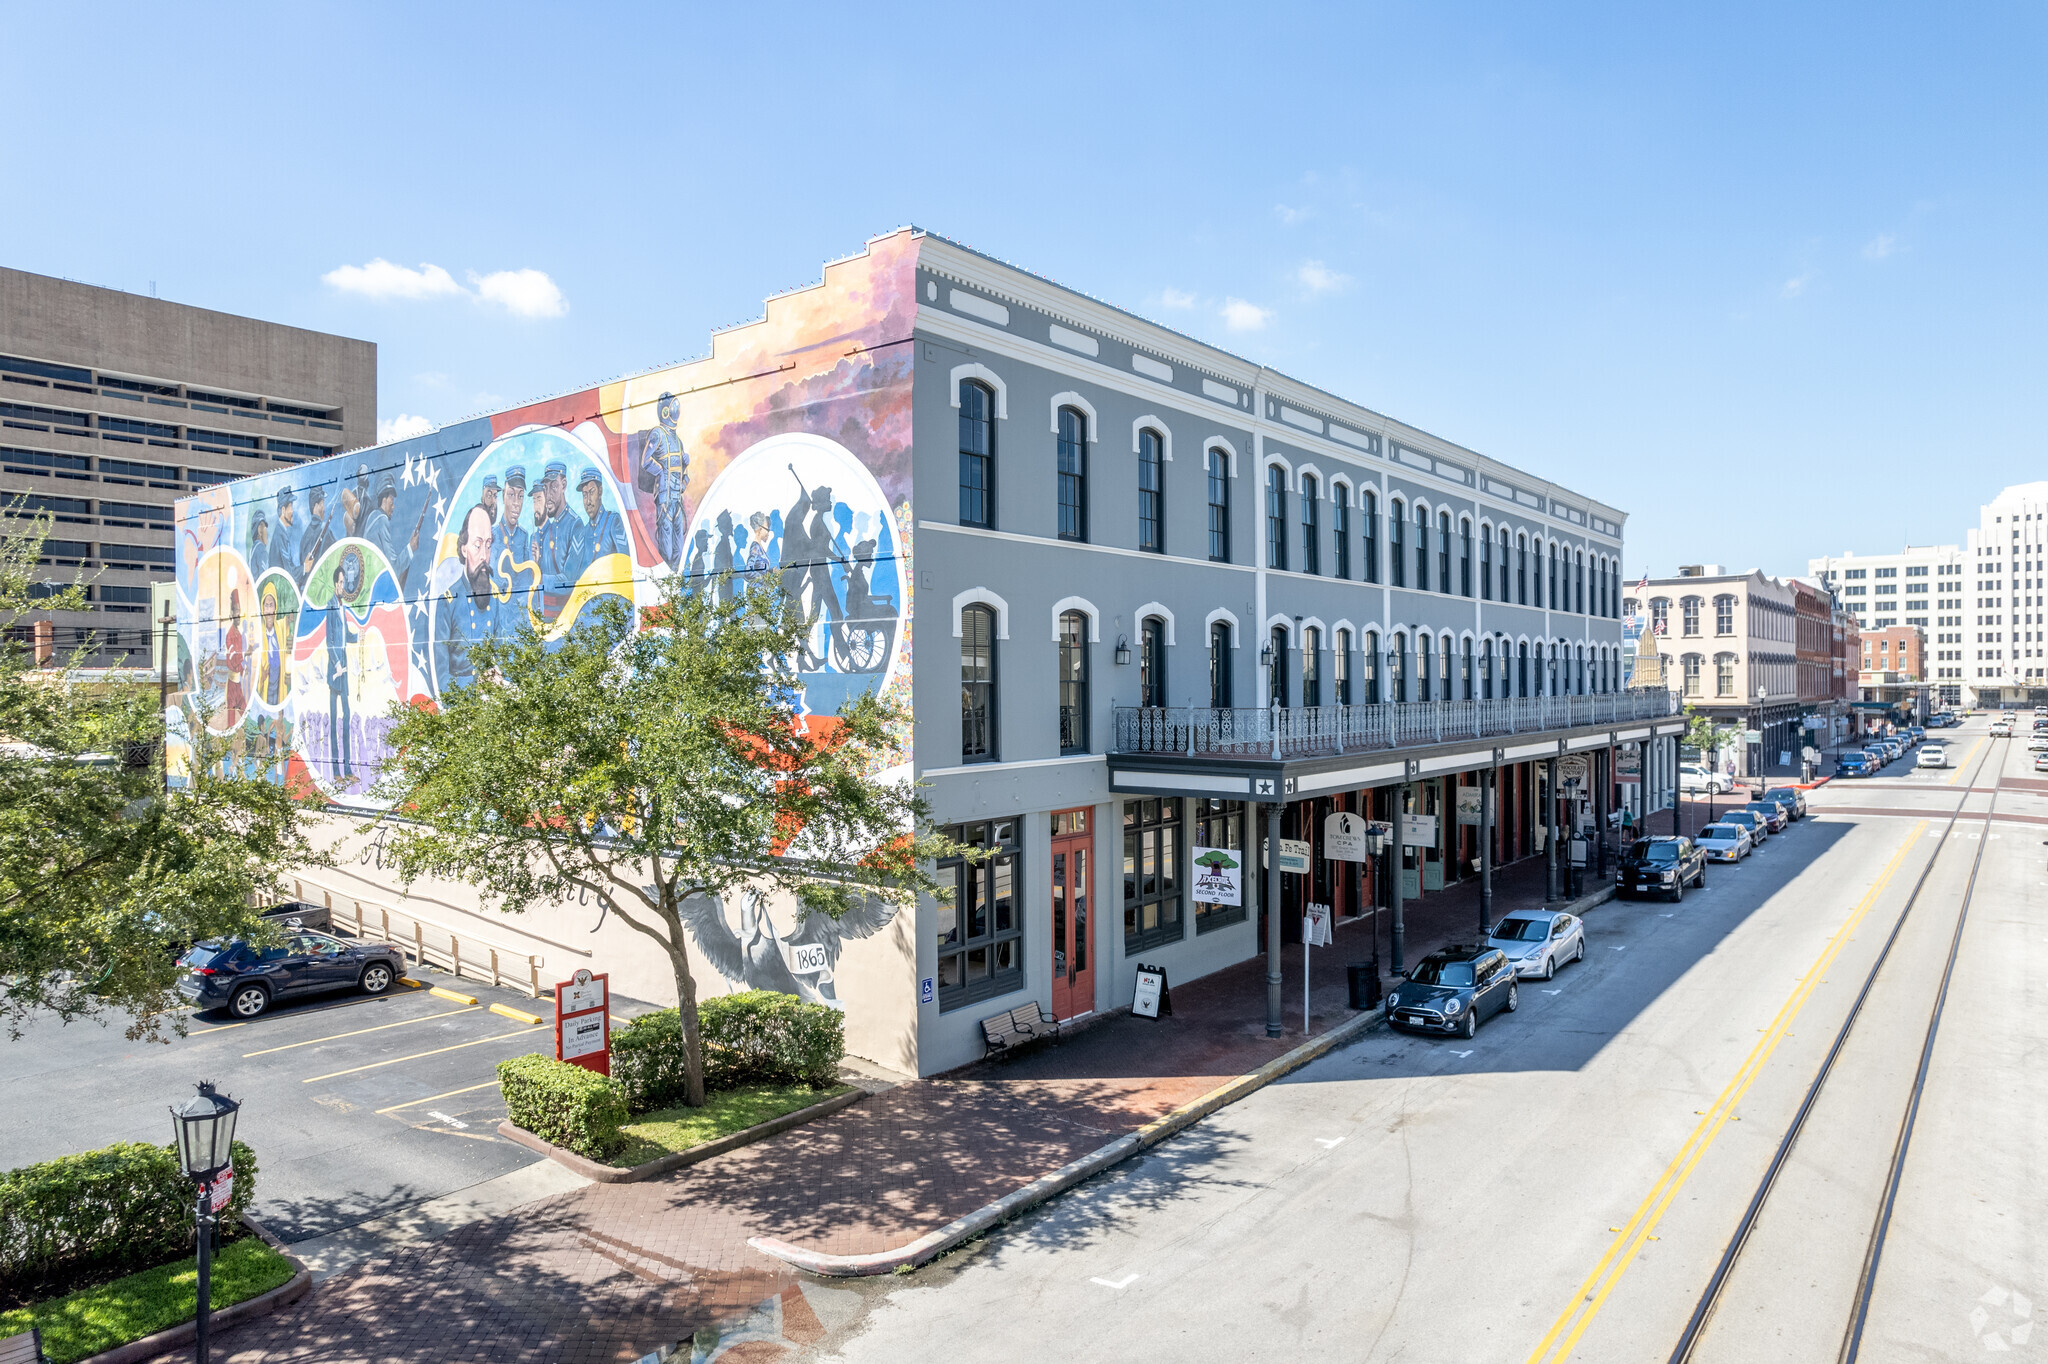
pixel 112 405
pixel 1145 604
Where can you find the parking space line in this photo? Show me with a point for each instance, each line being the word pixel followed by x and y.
pixel 416 1056
pixel 432 1098
pixel 445 1013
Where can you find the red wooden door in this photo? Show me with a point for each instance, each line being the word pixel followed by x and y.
pixel 1073 925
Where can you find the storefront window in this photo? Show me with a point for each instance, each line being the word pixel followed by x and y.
pixel 1220 824
pixel 1152 855
pixel 981 934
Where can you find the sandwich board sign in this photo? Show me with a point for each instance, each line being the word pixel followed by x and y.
pixel 1315 926
pixel 583 1021
pixel 1151 997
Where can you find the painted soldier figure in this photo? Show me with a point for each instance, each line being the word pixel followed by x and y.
pixel 284 545
pixel 335 624
pixel 259 543
pixel 558 541
pixel 604 532
pixel 469 611
pixel 379 531
pixel 319 534
pixel 665 472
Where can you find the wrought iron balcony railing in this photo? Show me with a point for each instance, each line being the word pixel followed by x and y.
pixel 1322 731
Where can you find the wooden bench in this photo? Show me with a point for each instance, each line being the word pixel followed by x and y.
pixel 26 1348
pixel 1026 1023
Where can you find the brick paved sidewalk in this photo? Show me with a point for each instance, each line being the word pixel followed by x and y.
pixel 616 1271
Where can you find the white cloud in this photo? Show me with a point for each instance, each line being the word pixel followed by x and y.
pixel 380 279
pixel 526 293
pixel 1241 316
pixel 523 293
pixel 1174 298
pixel 1290 216
pixel 432 378
pixel 1796 285
pixel 401 427
pixel 1319 278
pixel 1880 246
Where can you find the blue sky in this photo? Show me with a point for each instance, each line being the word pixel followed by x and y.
pixel 1768 278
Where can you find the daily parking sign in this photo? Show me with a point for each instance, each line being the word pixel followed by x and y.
pixel 583 1021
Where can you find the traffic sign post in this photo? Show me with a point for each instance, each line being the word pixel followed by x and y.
pixel 583 1021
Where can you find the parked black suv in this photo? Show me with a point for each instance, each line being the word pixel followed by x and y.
pixel 1664 866
pixel 1451 990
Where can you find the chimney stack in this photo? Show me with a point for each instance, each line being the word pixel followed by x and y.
pixel 45 636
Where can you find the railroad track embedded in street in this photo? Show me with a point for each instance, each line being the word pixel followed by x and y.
pixel 1881 1214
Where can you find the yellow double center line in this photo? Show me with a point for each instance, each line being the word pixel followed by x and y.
pixel 1558 1342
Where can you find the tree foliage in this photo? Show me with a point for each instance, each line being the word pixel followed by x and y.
pixel 652 766
pixel 104 877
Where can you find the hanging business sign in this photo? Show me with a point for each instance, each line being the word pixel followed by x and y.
pixel 1294 856
pixel 1418 831
pixel 583 1021
pixel 1219 876
pixel 1469 798
pixel 1628 763
pixel 1572 769
pixel 1344 837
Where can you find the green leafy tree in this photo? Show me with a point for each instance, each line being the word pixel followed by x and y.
pixel 1707 738
pixel 105 878
pixel 653 766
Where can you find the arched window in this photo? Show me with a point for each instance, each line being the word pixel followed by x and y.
pixel 1219 665
pixel 1425 665
pixel 1504 565
pixel 1579 582
pixel 977 684
pixel 1370 657
pixel 1486 669
pixel 1219 505
pixel 1579 669
pixel 1311 666
pixel 1443 667
pixel 1690 665
pixel 1724 615
pixel 1073 682
pixel 1724 674
pixel 1552 600
pixel 1422 549
pixel 1073 474
pixel 977 454
pixel 1397 554
pixel 1340 666
pixel 1689 615
pixel 1522 668
pixel 1486 566
pixel 1443 551
pixel 1522 572
pixel 1369 510
pixel 1340 527
pixel 1276 681
pixel 1465 671
pixel 1397 666
pixel 1660 615
pixel 1151 492
pixel 1614 589
pixel 1152 661
pixel 1311 537
pixel 1276 516
pixel 1465 561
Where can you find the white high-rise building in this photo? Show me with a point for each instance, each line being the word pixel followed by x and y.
pixel 1982 604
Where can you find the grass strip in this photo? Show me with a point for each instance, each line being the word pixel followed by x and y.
pixel 668 1130
pixel 136 1305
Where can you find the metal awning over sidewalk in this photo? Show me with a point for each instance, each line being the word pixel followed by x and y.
pixel 1280 754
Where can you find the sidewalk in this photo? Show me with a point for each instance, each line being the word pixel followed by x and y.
pixel 614 1272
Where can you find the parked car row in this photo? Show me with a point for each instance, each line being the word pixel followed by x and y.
pixel 1734 835
pixel 246 979
pixel 1881 751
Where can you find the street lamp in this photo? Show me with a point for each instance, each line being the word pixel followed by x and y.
pixel 1376 842
pixel 205 1126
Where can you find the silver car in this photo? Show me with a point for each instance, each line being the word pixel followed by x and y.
pixel 1725 842
pixel 1538 941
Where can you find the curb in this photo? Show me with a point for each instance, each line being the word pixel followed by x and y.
pixel 676 1160
pixel 263 1304
pixel 455 995
pixel 516 1015
pixel 1049 1186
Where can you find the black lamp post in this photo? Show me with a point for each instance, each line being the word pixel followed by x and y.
pixel 1375 847
pixel 205 1126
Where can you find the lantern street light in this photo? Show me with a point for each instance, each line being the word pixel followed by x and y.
pixel 1376 844
pixel 205 1125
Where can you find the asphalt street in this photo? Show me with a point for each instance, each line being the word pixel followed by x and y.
pixel 1563 1186
pixel 355 1106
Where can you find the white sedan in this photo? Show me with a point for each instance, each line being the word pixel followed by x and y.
pixel 1694 777
pixel 1538 941
pixel 2038 744
pixel 1725 842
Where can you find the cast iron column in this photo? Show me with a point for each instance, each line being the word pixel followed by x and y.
pixel 1675 800
pixel 1273 1024
pixel 1550 833
pixel 204 1299
pixel 1394 885
pixel 1486 781
pixel 1603 761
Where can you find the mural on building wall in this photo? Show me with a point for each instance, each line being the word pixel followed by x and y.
pixel 313 599
pixel 759 957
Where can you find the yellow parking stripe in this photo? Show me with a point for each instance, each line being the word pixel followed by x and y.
pixel 467 1089
pixel 418 1055
pixel 1586 1302
pixel 331 1037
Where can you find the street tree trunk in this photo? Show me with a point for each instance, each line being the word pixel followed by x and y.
pixel 686 1008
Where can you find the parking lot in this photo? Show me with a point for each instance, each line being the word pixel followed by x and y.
pixel 355 1106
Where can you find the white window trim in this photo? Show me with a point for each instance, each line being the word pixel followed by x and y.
pixel 1153 608
pixel 1086 608
pixel 1081 405
pixel 1286 475
pixel 989 377
pixel 1283 622
pixel 1316 622
pixel 1311 471
pixel 1344 623
pixel 1159 428
pixel 1218 443
pixel 1224 614
pixel 981 596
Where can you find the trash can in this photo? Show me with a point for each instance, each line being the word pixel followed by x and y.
pixel 1364 979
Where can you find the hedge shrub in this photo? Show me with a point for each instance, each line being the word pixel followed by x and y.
pixel 574 1108
pixel 758 1037
pixel 101 1213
